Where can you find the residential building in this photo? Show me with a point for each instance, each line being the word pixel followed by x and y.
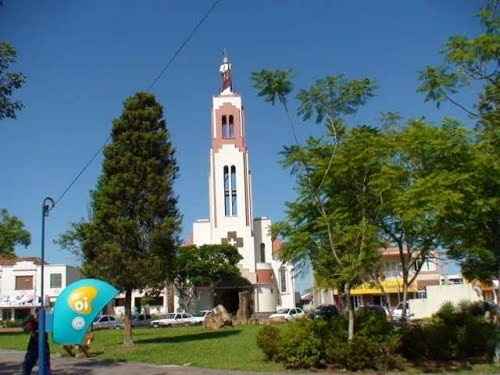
pixel 370 293
pixel 162 303
pixel 20 284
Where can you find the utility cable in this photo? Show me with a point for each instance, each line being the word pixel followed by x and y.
pixel 154 82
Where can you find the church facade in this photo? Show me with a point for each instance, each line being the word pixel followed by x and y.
pixel 231 213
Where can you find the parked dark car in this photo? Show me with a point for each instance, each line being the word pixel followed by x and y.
pixel 324 312
pixel 377 309
pixel 141 320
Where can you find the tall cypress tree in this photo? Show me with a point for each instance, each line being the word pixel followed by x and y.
pixel 131 238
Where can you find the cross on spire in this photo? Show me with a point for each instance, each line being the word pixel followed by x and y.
pixel 225 71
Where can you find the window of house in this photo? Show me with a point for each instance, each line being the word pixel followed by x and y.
pixel 262 252
pixel 429 265
pixel 283 279
pixel 55 280
pixel 422 294
pixel 24 282
pixel 231 127
pixel 234 204
pixel 426 266
pixel 227 210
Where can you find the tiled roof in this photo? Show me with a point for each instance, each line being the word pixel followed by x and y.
pixel 6 260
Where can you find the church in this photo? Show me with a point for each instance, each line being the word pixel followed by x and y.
pixel 231 217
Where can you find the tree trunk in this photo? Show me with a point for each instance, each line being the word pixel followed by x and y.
pixel 404 311
pixel 350 312
pixel 127 319
pixel 497 346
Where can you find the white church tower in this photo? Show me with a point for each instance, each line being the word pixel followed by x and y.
pixel 230 203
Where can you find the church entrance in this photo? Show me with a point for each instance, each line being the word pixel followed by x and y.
pixel 226 293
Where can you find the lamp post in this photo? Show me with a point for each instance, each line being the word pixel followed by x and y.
pixel 47 205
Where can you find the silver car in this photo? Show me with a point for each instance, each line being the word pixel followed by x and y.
pixel 172 319
pixel 107 322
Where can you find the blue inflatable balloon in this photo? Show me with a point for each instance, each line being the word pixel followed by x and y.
pixel 77 307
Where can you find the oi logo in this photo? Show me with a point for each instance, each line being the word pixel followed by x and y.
pixel 80 300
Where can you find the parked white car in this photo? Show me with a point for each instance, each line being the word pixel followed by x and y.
pixel 199 318
pixel 288 314
pixel 106 322
pixel 397 313
pixel 172 319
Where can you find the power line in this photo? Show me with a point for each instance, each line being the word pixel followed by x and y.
pixel 82 171
pixel 154 82
pixel 183 44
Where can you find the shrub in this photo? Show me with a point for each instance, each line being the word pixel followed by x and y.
pixel 300 345
pixel 451 334
pixel 269 341
pixel 364 352
pixel 311 343
pixel 372 323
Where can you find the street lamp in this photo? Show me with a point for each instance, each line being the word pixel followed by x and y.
pixel 47 205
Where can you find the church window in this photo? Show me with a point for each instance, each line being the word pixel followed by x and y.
pixel 227 211
pixel 231 126
pixel 234 204
pixel 283 279
pixel 262 252
pixel 225 127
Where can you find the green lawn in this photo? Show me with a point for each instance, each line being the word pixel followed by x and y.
pixel 229 348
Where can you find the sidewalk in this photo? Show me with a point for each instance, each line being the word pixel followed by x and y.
pixel 10 364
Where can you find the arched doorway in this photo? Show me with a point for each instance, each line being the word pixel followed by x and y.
pixel 226 292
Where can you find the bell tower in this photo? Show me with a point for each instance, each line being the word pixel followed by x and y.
pixel 230 187
pixel 230 197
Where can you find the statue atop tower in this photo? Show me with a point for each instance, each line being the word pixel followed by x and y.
pixel 225 71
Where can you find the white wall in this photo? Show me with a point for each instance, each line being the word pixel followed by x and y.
pixel 9 274
pixel 202 233
pixel 9 296
pixel 262 225
pixel 438 295
pixel 265 298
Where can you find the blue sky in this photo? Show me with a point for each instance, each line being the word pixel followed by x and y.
pixel 82 59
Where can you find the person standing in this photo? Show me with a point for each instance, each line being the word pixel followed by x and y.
pixel 31 357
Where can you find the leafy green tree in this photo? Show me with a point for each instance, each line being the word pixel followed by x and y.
pixel 416 187
pixel 472 231
pixel 332 220
pixel 12 233
pixel 9 82
pixel 467 62
pixel 203 266
pixel 132 236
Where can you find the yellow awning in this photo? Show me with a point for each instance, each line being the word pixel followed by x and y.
pixel 390 286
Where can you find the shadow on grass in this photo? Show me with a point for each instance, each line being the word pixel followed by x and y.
pixel 443 366
pixel 190 337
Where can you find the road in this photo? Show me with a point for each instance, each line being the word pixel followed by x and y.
pixel 10 364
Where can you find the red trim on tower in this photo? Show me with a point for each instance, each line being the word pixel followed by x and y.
pixel 265 277
pixel 227 109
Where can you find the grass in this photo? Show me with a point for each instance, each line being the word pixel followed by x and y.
pixel 231 348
